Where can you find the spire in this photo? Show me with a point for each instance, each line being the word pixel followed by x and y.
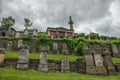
pixel 71 23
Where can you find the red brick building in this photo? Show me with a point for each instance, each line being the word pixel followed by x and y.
pixel 61 31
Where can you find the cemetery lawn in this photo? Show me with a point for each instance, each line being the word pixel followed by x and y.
pixel 13 74
pixel 15 54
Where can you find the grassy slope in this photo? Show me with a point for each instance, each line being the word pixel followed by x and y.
pixel 15 54
pixel 12 74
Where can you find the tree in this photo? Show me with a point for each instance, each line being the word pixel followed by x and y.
pixel 8 22
pixel 27 23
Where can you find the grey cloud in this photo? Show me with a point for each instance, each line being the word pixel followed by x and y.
pixel 55 13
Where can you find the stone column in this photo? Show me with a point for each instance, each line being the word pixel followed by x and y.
pixel 2 52
pixel 108 62
pixel 43 65
pixel 23 62
pixel 65 65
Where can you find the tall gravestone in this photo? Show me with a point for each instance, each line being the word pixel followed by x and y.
pixel 2 57
pixel 90 66
pixel 9 45
pixel 43 65
pixel 20 42
pixel 115 51
pixel 65 49
pixel 108 62
pixel 99 67
pixel 55 48
pixel 65 65
pixel 23 62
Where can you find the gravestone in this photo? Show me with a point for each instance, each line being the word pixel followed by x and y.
pixel 20 42
pixel 108 62
pixel 23 62
pixel 55 48
pixel 99 67
pixel 43 65
pixel 65 65
pixel 89 62
pixel 9 45
pixel 2 57
pixel 115 51
pixel 65 49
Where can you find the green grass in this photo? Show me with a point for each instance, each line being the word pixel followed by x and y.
pixel 15 54
pixel 116 60
pixel 12 74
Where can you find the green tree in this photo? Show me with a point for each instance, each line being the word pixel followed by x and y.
pixel 8 22
pixel 27 23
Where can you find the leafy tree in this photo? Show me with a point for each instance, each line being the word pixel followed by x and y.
pixel 8 22
pixel 27 23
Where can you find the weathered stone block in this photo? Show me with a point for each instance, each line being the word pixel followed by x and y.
pixel 43 65
pixel 65 65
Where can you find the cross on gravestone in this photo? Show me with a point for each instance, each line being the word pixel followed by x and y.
pixel 2 52
pixel 55 48
pixel 115 51
pixel 65 65
pixel 23 62
pixel 108 62
pixel 65 49
pixel 43 65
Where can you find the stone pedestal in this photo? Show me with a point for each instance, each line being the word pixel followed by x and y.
pixel 108 62
pixel 23 62
pixel 90 67
pixel 99 67
pixel 65 65
pixel 65 49
pixel 2 57
pixel 43 65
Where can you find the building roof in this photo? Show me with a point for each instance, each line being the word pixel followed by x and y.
pixel 58 29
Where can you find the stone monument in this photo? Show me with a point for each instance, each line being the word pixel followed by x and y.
pixel 20 42
pixel 99 67
pixel 55 48
pixel 89 62
pixel 2 52
pixel 43 65
pixel 65 65
pixel 9 45
pixel 23 62
pixel 108 62
pixel 65 49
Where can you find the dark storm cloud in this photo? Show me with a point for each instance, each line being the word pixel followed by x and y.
pixel 55 13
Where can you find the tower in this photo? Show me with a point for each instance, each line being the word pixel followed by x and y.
pixel 71 23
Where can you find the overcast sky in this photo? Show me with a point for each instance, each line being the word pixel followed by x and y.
pixel 101 16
